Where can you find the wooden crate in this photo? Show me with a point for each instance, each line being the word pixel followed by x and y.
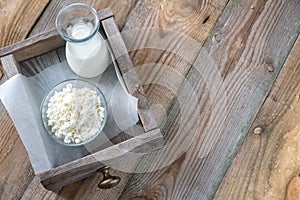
pixel 56 178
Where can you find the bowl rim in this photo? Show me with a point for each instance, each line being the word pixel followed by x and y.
pixel 51 134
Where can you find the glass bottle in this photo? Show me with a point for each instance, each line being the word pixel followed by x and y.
pixel 86 50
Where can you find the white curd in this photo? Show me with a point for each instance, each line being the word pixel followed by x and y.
pixel 75 114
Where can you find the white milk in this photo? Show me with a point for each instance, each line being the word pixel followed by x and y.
pixel 87 59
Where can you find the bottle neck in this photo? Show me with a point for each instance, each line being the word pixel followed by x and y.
pixel 81 33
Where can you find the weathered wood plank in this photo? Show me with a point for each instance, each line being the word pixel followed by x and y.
pixel 10 65
pixel 35 65
pixel 58 177
pixel 17 18
pixel 15 166
pixel 269 158
pixel 85 189
pixel 41 43
pixel 129 74
pixel 248 46
pixel 158 94
pixel 34 46
pixel 293 189
pixel 121 9
pixel 149 34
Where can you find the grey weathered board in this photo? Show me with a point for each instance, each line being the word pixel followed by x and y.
pixel 40 47
pixel 46 22
pixel 248 45
pixel 267 165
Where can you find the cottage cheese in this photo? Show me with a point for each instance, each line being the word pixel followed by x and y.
pixel 75 114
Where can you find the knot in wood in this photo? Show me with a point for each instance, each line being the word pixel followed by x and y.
pixel 258 130
pixel 139 88
pixel 218 37
pixel 269 64
pixel 270 68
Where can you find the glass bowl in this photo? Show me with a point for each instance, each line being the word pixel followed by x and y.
pixel 76 83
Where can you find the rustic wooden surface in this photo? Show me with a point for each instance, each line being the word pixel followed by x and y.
pixel 131 79
pixel 248 74
pixel 16 21
pixel 270 156
pixel 121 9
pixel 251 43
pixel 71 172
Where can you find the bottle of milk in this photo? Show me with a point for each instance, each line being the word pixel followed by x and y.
pixel 86 50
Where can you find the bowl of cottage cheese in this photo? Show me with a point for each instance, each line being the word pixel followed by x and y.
pixel 74 112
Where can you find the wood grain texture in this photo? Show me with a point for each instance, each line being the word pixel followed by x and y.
pixel 15 166
pixel 249 47
pixel 13 182
pixel 293 189
pixel 17 18
pixel 149 34
pixel 85 189
pixel 10 65
pixel 58 177
pixel 34 46
pixel 268 164
pixel 130 76
pixel 41 43
pixel 34 65
pixel 121 9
